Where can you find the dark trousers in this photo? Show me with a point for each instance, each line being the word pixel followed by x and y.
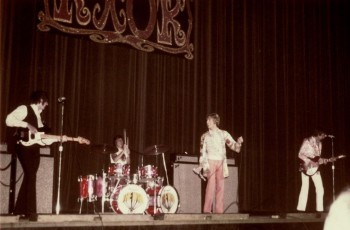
pixel 29 157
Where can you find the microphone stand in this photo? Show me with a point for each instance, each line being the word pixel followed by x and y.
pixel 333 167
pixel 60 149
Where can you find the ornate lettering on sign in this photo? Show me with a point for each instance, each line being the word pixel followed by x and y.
pixel 144 24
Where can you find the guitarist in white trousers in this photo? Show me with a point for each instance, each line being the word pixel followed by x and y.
pixel 27 118
pixel 309 151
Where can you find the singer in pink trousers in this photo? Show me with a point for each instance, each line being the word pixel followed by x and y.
pixel 214 163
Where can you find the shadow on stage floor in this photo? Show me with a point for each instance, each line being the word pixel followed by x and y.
pixel 288 221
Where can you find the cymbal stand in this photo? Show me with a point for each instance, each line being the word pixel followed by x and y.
pixel 166 171
pixel 154 200
pixel 60 149
pixel 104 190
pixel 333 168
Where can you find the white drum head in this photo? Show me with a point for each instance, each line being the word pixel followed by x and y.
pixel 131 199
pixel 168 199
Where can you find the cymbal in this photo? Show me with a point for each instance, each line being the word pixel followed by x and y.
pixel 155 149
pixel 104 149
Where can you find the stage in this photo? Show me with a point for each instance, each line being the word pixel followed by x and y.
pixel 286 221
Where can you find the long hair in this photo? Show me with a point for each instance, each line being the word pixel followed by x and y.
pixel 318 132
pixel 37 96
pixel 215 117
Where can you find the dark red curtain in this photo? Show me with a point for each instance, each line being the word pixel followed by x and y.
pixel 273 70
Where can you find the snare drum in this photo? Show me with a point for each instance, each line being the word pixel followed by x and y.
pixel 87 186
pixel 129 199
pixel 162 200
pixel 148 171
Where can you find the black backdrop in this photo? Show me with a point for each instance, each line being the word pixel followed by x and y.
pixel 273 70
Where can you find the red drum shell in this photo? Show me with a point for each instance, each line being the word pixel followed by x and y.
pixel 119 170
pixel 153 207
pixel 148 171
pixel 87 185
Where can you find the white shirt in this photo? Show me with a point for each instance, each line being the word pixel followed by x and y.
pixel 16 117
pixel 121 160
pixel 213 144
pixel 310 149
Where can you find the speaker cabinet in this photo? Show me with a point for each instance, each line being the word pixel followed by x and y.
pixel 231 191
pixel 188 186
pixel 5 161
pixel 191 192
pixel 44 183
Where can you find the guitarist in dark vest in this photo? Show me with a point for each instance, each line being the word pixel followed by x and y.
pixel 28 118
pixel 310 155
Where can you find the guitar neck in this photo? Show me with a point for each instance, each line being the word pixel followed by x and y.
pixel 332 159
pixel 49 136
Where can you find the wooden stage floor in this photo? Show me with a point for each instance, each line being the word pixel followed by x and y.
pixel 309 221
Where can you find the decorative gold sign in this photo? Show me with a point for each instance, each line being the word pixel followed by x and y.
pixel 124 21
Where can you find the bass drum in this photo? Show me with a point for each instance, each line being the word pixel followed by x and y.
pixel 162 200
pixel 129 199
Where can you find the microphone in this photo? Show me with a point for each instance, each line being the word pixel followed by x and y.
pixel 61 99
pixel 330 136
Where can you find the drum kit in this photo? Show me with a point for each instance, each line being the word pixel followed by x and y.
pixel 139 193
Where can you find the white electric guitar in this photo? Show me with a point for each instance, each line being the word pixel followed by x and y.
pixel 43 139
pixel 311 168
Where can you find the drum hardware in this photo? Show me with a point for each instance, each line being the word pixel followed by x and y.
pixel 162 200
pixel 153 207
pixel 109 185
pixel 135 178
pixel 104 190
pixel 128 196
pixel 151 184
pixel 157 150
pixel 166 171
pixel 141 193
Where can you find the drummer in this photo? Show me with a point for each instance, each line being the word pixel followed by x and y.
pixel 122 155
